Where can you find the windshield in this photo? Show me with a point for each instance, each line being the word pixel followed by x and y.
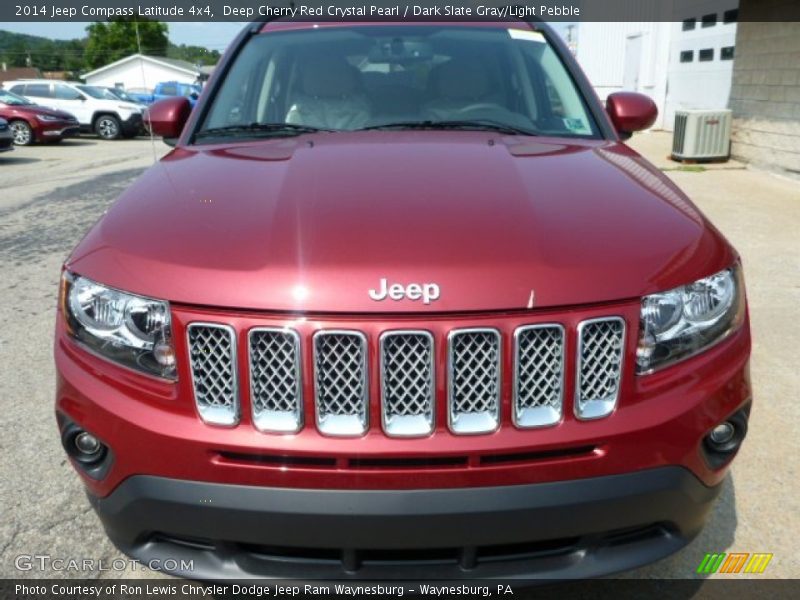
pixel 118 94
pixel 10 99
pixel 94 92
pixel 356 77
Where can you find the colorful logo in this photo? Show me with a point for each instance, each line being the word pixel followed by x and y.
pixel 735 562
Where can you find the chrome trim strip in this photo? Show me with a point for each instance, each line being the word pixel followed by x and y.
pixel 213 415
pixel 597 408
pixel 408 425
pixel 343 425
pixel 538 416
pixel 476 423
pixel 279 418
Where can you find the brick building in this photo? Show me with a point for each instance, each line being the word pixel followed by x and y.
pixel 765 91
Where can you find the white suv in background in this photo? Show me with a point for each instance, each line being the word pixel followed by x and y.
pixel 109 119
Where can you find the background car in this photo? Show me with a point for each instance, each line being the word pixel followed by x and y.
pixel 109 118
pixel 30 123
pixel 119 93
pixel 6 137
pixel 168 89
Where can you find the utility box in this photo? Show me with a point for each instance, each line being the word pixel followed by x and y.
pixel 702 135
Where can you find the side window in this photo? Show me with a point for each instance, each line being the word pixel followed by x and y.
pixel 169 90
pixel 67 93
pixel 18 89
pixel 687 56
pixel 38 90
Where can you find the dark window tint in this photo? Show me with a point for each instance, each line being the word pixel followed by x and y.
pixel 710 20
pixel 66 93
pixel 726 53
pixel 689 24
pixel 705 55
pixel 38 90
pixel 687 56
pixel 730 16
pixel 169 90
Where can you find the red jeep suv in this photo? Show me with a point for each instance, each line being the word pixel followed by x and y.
pixel 400 303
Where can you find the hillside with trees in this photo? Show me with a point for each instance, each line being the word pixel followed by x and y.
pixel 105 42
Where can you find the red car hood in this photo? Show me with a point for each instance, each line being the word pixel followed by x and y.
pixel 313 223
pixel 35 110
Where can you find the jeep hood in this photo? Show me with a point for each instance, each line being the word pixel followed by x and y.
pixel 312 223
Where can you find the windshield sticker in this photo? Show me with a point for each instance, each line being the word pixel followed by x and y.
pixel 527 35
pixel 575 124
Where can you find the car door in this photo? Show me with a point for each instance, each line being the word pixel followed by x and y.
pixel 72 101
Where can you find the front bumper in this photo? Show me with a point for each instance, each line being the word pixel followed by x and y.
pixel 133 124
pixel 6 141
pixel 60 131
pixel 571 529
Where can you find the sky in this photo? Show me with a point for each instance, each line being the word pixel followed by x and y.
pixel 214 36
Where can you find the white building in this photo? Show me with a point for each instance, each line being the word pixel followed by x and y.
pixel 140 72
pixel 680 65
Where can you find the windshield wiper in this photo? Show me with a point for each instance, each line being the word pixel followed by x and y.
pixel 474 124
pixel 257 130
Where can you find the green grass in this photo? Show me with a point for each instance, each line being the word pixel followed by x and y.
pixel 687 169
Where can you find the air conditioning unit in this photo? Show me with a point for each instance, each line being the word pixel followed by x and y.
pixel 701 135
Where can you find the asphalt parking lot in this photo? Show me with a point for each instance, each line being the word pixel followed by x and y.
pixel 49 196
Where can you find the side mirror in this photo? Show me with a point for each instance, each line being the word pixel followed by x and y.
pixel 194 95
pixel 167 118
pixel 631 112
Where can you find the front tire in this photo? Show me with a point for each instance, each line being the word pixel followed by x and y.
pixel 108 127
pixel 23 133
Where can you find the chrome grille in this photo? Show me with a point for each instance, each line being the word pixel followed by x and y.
pixel 600 351
pixel 474 382
pixel 539 375
pixel 212 354
pixel 340 362
pixel 275 380
pixel 407 382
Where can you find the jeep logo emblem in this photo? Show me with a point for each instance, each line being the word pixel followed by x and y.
pixel 427 292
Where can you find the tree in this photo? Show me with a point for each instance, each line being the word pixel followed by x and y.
pixel 117 38
pixel 197 55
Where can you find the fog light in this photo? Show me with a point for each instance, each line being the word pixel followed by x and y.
pixel 722 433
pixel 83 446
pixel 723 440
pixel 89 454
pixel 87 444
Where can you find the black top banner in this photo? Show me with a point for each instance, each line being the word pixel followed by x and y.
pixel 393 10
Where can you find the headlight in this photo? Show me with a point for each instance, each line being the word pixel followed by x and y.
pixel 47 118
pixel 131 330
pixel 681 322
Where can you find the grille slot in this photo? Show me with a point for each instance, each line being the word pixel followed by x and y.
pixel 474 382
pixel 600 351
pixel 212 357
pixel 407 383
pixel 340 381
pixel 275 380
pixel 538 375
